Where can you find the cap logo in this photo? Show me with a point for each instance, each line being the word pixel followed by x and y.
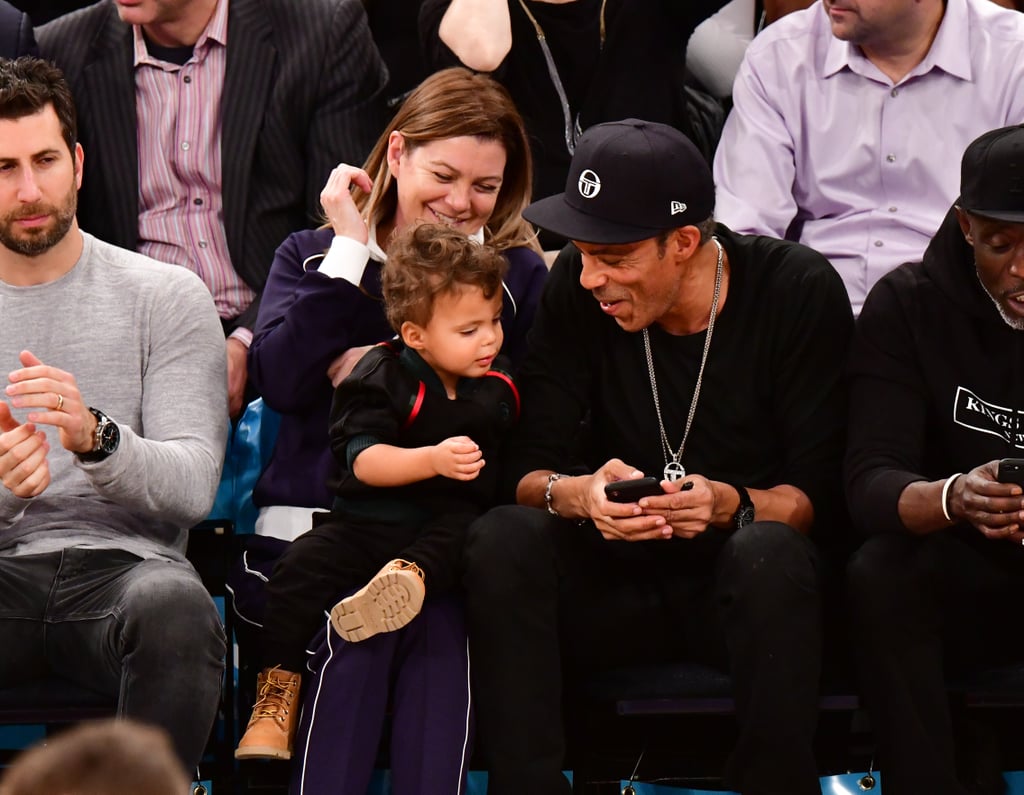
pixel 589 184
pixel 678 207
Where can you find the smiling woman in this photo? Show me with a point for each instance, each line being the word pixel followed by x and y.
pixel 454 181
pixel 455 153
pixel 446 109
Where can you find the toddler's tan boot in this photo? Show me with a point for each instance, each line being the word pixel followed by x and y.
pixel 275 716
pixel 388 602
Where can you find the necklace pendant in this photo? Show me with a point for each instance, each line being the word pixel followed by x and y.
pixel 674 471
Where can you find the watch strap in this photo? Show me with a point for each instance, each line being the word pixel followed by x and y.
pixel 100 450
pixel 745 512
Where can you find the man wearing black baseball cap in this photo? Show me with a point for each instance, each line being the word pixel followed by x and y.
pixel 937 400
pixel 711 361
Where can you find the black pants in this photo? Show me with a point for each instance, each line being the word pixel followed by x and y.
pixel 922 609
pixel 339 555
pixel 540 589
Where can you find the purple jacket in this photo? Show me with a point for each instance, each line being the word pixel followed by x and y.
pixel 306 320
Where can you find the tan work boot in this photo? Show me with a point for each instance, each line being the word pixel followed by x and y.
pixel 275 716
pixel 388 602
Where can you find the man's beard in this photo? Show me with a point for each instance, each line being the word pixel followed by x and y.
pixel 1016 323
pixel 33 242
pixel 1013 321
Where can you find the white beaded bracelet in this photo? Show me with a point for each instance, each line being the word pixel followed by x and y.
pixel 945 495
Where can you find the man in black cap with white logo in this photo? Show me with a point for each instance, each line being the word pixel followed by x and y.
pixel 937 401
pixel 713 363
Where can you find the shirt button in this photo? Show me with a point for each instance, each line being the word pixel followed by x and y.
pixel 891 158
pixel 188 79
pixel 202 244
pixel 893 93
pixel 879 244
pixel 185 145
pixel 892 209
pixel 198 202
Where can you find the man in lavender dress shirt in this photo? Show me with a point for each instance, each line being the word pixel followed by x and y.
pixel 850 118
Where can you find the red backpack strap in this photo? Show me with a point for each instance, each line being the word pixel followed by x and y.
pixel 417 404
pixel 511 385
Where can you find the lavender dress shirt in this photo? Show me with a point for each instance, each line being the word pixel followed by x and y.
pixel 823 148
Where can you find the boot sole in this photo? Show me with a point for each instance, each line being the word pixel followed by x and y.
pixel 262 752
pixel 387 602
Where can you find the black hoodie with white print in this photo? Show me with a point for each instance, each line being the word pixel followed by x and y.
pixel 937 382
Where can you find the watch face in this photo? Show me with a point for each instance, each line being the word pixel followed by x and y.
pixel 109 437
pixel 745 516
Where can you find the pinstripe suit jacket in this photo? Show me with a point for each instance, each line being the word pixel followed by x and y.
pixel 303 90
pixel 15 32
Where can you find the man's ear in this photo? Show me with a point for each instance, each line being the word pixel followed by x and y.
pixel 684 242
pixel 412 335
pixel 965 225
pixel 79 158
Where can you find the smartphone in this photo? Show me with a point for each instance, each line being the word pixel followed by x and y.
pixel 633 490
pixel 1011 470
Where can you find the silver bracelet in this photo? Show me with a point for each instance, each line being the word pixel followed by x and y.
pixel 547 492
pixel 945 495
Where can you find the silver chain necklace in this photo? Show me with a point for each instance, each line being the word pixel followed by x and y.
pixel 674 469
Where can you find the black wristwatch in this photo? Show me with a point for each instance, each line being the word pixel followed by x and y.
pixel 106 437
pixel 745 513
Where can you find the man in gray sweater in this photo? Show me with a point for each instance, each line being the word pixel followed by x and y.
pixel 112 433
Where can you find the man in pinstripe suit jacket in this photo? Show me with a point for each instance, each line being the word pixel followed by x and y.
pixel 15 32
pixel 302 90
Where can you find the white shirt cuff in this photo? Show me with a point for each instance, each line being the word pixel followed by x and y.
pixel 346 259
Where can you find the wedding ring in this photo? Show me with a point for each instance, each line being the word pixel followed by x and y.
pixel 60 402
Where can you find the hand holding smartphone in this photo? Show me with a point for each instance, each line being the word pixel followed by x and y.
pixel 633 490
pixel 1011 470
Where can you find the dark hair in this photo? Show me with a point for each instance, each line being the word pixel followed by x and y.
pixel 97 758
pixel 428 260
pixel 28 85
pixel 705 227
pixel 453 103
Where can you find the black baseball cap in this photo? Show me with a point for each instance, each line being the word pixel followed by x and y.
pixel 992 175
pixel 629 180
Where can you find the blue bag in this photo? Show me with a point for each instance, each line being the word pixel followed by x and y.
pixel 250 442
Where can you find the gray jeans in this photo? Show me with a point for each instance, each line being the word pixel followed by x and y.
pixel 145 632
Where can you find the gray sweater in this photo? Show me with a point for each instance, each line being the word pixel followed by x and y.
pixel 144 342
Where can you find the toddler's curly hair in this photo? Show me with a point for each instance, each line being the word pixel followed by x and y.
pixel 428 260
